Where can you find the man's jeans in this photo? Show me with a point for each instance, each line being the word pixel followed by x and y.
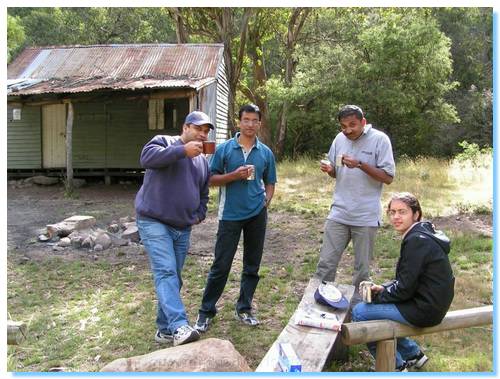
pixel 228 236
pixel 406 347
pixel 167 248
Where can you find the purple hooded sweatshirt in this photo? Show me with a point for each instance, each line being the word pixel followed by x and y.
pixel 175 188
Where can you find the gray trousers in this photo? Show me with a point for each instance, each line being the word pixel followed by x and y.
pixel 335 241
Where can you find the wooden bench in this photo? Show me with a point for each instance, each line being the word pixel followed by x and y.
pixel 385 332
pixel 314 347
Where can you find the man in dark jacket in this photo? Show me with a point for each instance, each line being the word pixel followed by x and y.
pixel 423 289
pixel 174 196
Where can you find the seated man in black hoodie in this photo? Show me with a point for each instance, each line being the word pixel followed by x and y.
pixel 423 289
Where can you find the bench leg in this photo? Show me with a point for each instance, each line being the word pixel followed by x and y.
pixel 386 355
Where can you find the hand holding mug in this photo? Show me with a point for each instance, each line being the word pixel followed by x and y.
pixel 193 148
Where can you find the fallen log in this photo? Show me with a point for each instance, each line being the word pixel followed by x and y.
pixel 16 332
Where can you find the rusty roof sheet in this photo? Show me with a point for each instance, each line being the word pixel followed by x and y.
pixel 73 69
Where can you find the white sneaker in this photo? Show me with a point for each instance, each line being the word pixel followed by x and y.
pixel 185 334
pixel 163 337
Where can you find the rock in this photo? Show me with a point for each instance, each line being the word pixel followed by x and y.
pixel 124 220
pixel 59 230
pixel 80 222
pixel 43 238
pixel 24 260
pixel 114 228
pixel 208 355
pixel 117 241
pixel 45 180
pixel 88 243
pixel 132 234
pixel 127 225
pixel 98 247
pixel 76 241
pixel 64 242
pixel 58 248
pixel 104 240
pixel 69 225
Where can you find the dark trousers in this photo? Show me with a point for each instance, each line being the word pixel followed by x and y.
pixel 228 236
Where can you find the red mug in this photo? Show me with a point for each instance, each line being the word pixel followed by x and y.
pixel 208 147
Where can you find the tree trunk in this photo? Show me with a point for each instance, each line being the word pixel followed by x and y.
pixel 218 25
pixel 295 25
pixel 180 26
pixel 257 94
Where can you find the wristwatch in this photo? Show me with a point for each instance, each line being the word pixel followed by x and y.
pixel 359 164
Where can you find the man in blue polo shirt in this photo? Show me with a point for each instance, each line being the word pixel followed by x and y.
pixel 245 170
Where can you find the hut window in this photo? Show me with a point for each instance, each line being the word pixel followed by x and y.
pixel 16 114
pixel 156 116
pixel 176 111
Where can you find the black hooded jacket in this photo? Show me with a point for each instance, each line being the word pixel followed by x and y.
pixel 424 285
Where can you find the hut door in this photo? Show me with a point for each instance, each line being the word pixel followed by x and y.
pixel 54 135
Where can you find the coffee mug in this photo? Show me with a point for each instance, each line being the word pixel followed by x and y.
pixel 366 290
pixel 208 147
pixel 251 167
pixel 338 160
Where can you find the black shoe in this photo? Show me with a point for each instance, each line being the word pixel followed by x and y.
pixel 202 323
pixel 418 361
pixel 402 368
pixel 247 318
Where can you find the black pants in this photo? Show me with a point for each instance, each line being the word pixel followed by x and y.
pixel 228 236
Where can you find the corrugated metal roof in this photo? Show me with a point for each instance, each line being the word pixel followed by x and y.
pixel 73 69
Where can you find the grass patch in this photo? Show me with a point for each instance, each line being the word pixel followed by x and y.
pixel 82 314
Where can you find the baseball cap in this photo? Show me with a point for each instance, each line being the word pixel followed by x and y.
pixel 328 294
pixel 198 118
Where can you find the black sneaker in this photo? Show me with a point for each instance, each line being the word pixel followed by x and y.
pixel 402 368
pixel 185 334
pixel 161 337
pixel 202 323
pixel 247 318
pixel 418 361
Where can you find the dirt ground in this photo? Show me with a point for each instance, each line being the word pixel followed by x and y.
pixel 30 209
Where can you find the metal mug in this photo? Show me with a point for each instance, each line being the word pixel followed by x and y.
pixel 366 290
pixel 251 167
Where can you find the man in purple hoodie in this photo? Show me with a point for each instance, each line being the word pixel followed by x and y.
pixel 173 197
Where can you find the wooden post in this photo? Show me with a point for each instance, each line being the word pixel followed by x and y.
pixel 386 356
pixel 16 331
pixel 69 148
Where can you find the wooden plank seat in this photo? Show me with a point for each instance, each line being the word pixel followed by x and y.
pixel 313 346
pixel 385 332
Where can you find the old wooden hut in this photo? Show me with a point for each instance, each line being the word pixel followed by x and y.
pixel 113 98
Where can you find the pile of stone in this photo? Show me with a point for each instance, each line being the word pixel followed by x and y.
pixel 80 232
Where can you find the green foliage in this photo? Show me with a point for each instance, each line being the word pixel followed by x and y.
pixel 473 153
pixel 86 26
pixel 15 36
pixel 423 75
pixel 395 64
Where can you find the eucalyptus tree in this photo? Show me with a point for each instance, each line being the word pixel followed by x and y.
pixel 394 62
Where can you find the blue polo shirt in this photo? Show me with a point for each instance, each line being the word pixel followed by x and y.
pixel 242 199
